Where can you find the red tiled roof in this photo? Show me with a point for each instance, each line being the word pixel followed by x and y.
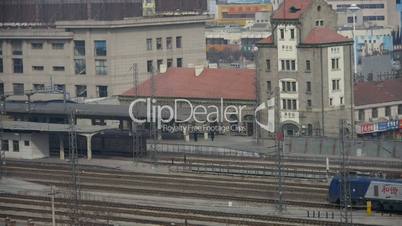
pixel 234 84
pixel 378 92
pixel 267 40
pixel 323 35
pixel 285 10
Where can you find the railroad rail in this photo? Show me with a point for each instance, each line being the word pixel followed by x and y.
pixel 133 213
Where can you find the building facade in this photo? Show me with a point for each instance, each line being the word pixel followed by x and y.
pixel 92 59
pixel 378 109
pixel 308 65
pixel 372 12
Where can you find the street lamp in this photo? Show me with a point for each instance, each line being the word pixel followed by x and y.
pixel 354 8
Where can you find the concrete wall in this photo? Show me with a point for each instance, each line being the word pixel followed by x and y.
pixel 38 146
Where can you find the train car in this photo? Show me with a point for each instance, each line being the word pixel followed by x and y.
pixel 385 195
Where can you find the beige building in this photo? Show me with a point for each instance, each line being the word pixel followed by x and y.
pixel 96 58
pixel 308 66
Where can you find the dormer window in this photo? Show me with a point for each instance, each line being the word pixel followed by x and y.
pixel 294 9
pixel 319 23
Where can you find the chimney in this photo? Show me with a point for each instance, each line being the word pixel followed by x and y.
pixel 198 70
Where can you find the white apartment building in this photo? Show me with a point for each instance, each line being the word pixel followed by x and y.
pixel 372 12
pixel 92 59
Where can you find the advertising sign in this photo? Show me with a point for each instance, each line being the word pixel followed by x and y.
pixel 379 127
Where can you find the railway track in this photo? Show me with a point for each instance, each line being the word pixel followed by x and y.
pixel 291 165
pixel 32 206
pixel 167 185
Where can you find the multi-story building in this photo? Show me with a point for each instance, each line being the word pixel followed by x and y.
pixel 378 109
pixel 372 12
pixel 97 58
pixel 309 65
pixel 240 14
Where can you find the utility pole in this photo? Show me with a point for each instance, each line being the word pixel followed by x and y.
pixel 134 127
pixel 2 152
pixel 345 200
pixel 153 122
pixel 75 187
pixel 279 137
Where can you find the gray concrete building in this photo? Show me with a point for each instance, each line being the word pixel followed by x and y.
pixel 309 65
pixel 91 58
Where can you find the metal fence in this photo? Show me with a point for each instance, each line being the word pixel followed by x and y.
pixel 376 148
pixel 199 150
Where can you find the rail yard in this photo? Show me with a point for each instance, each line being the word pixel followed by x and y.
pixel 185 189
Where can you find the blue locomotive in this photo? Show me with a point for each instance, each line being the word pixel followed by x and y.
pixel 385 195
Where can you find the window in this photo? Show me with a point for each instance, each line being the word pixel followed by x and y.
pixel 308 87
pixel 388 111
pixel 341 100
pixel 18 89
pixel 269 86
pixel 169 63
pixel 79 48
pixel 149 66
pixel 289 104
pixel 288 65
pixel 18 65
pixel 268 64
pixel 101 91
pixel 100 67
pixel 37 68
pixel 81 90
pixel 178 42
pixel 1 65
pixel 158 64
pixel 330 102
pixel 374 113
pixel 159 43
pixel 16 146
pixel 319 23
pixel 290 87
pixel 80 67
pixel 282 31
pixel 335 84
pixel 58 68
pixel 149 43
pixel 4 145
pixel 293 65
pixel 1 89
pixel 100 48
pixel 26 142
pixel 179 62
pixel 308 65
pixel 16 46
pixel 57 45
pixel 38 87
pixel 400 109
pixel 169 43
pixel 309 103
pixel 60 87
pixel 37 45
pixel 292 34
pixel 361 115
pixel 335 63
